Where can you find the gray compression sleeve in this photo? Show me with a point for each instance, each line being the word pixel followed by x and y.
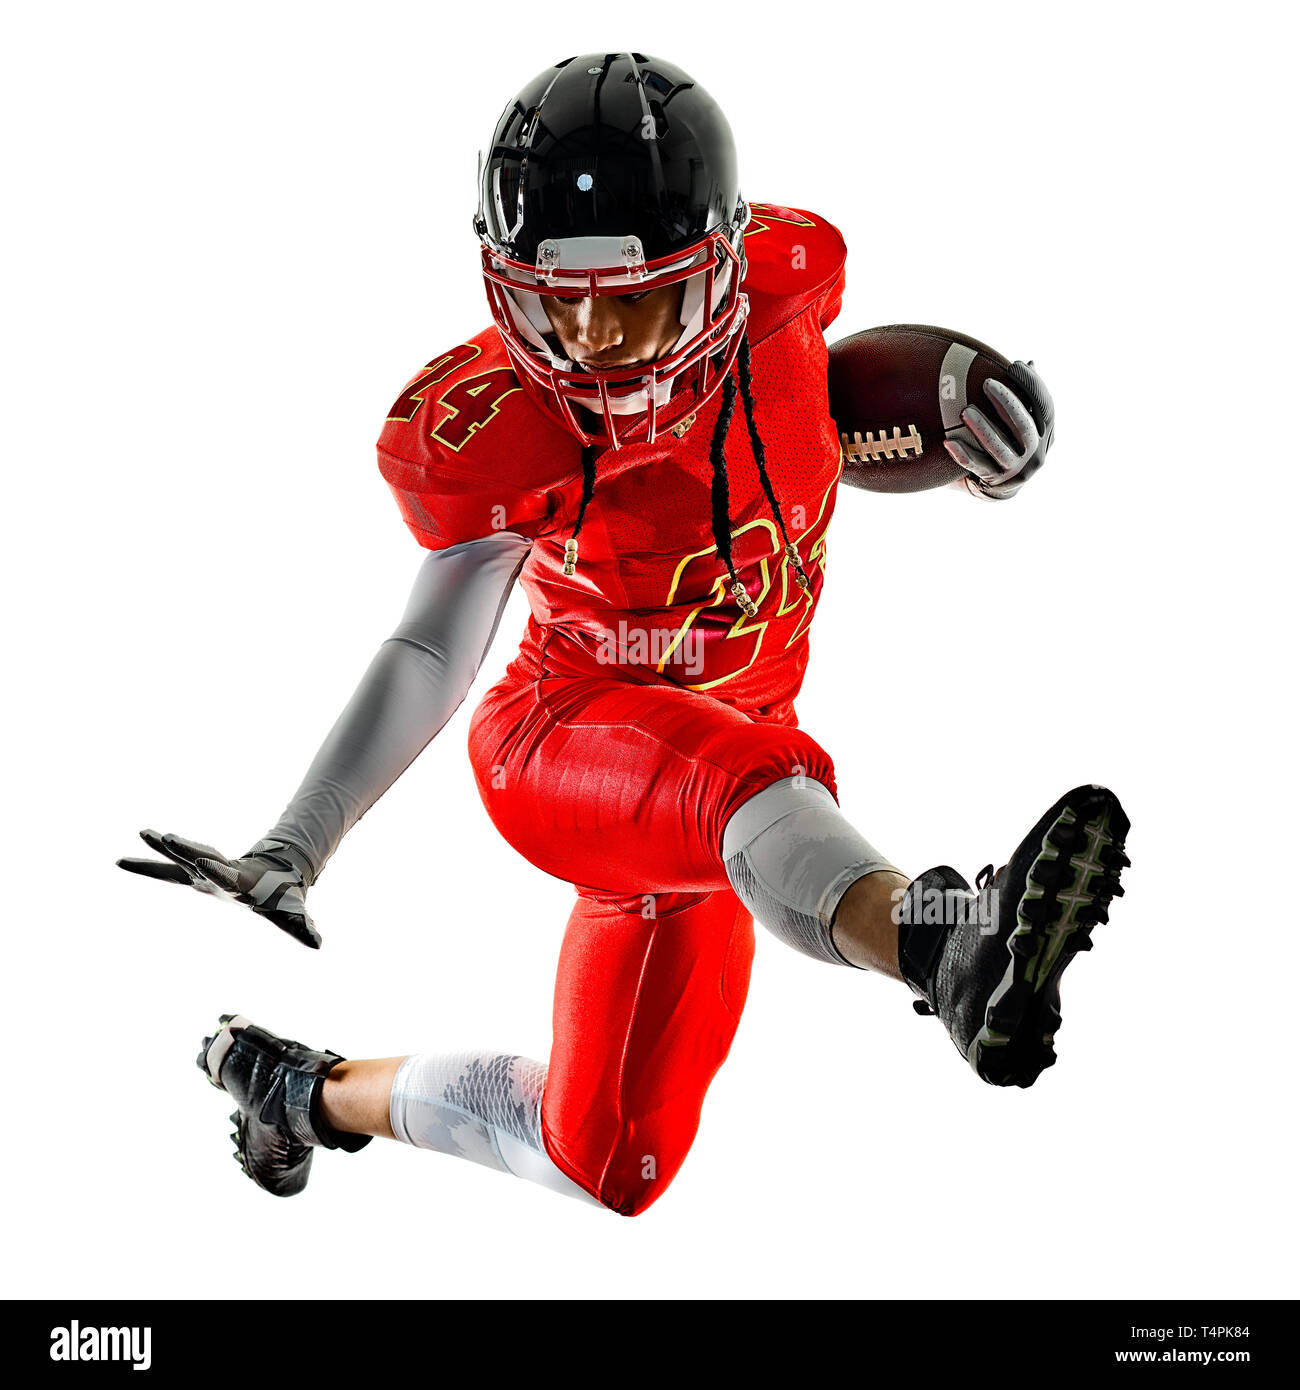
pixel 414 685
pixel 791 856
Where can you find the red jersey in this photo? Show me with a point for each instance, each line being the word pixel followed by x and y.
pixel 467 451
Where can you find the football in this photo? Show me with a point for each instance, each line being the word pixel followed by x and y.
pixel 897 393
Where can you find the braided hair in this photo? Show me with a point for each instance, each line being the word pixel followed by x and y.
pixel 760 458
pixel 721 490
pixel 589 452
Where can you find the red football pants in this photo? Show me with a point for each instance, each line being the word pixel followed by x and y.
pixel 623 789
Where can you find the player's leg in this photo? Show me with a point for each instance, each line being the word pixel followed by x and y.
pixel 291 1100
pixel 648 994
pixel 600 789
pixel 812 878
pixel 592 780
pixel 864 927
pixel 606 782
pixel 987 962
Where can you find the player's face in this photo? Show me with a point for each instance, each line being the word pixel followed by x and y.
pixel 622 330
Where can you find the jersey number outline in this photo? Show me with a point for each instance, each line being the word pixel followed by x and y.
pixel 469 403
pixel 789 595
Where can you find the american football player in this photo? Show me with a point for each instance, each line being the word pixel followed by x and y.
pixel 641 439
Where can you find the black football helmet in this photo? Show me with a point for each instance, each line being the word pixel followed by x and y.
pixel 614 173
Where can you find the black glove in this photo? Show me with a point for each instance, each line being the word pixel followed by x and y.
pixel 998 467
pixel 270 881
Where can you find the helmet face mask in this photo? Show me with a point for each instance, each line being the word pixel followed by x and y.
pixel 614 174
pixel 630 404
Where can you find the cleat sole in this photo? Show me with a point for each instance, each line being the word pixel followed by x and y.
pixel 1068 887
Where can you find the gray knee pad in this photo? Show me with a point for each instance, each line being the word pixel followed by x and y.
pixel 791 856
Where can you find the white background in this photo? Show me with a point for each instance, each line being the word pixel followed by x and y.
pixel 234 232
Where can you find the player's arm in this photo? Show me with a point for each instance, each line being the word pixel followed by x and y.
pixel 415 683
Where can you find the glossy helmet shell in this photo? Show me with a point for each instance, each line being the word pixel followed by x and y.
pixel 614 173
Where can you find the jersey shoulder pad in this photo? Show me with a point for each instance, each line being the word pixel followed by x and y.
pixel 464 407
pixel 466 450
pixel 794 259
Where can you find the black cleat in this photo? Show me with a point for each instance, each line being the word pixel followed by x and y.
pixel 276 1085
pixel 990 963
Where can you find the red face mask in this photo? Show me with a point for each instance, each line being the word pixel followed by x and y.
pixel 615 406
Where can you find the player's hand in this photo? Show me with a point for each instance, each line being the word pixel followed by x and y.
pixel 997 466
pixel 270 884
